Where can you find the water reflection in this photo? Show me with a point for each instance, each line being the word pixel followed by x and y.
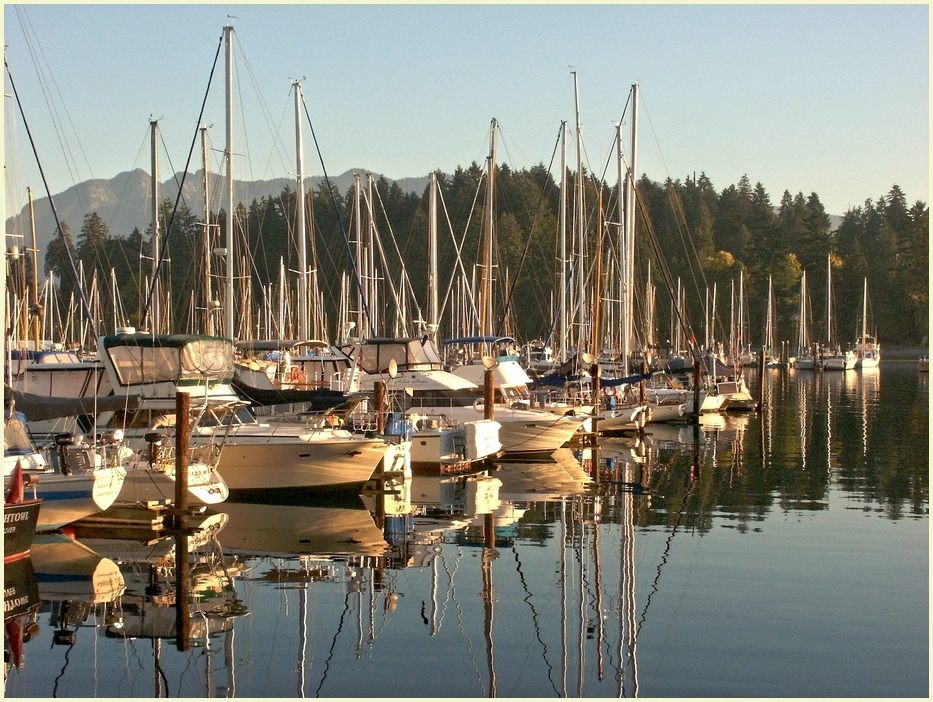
pixel 574 576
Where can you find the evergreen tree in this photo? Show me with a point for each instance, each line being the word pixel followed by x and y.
pixel 57 261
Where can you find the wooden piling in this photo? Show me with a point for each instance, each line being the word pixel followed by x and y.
pixel 182 566
pixel 489 394
pixel 379 400
pixel 182 406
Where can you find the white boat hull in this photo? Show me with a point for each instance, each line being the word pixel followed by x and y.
pixel 843 363
pixel 708 403
pixel 68 498
pixel 457 448
pixel 867 362
pixel 805 363
pixel 666 412
pixel 622 418
pixel 205 486
pixel 275 462
pixel 538 433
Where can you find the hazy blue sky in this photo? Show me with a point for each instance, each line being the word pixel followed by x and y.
pixel 832 99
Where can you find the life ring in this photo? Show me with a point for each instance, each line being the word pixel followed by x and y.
pixel 479 404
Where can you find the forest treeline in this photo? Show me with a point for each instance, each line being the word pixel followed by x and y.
pixel 705 237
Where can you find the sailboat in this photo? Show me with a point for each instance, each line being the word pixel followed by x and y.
pixel 867 348
pixel 805 359
pixel 836 359
pixel 772 360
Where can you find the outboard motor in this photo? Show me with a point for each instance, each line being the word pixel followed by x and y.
pixel 62 442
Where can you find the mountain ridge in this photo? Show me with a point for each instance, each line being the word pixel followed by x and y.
pixel 123 202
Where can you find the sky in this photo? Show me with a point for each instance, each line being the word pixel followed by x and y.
pixel 831 99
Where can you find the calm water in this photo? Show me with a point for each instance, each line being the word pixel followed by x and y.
pixel 785 554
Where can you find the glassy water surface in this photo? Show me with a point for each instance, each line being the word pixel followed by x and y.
pixel 780 553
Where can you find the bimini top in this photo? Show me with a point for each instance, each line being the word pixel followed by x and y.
pixel 154 358
pixel 373 355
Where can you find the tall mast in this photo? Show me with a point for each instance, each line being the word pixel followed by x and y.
pixel 562 332
pixel 433 308
pixel 303 330
pixel 741 304
pixel 597 276
pixel 864 310
pixel 769 328
pixel 732 337
pixel 628 253
pixel 154 191
pixel 358 230
pixel 712 318
pixel 372 292
pixel 578 217
pixel 803 341
pixel 208 293
pixel 829 301
pixel 228 155
pixel 649 310
pixel 36 307
pixel 486 310
pixel 622 208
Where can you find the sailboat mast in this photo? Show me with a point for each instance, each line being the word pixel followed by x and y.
pixel 597 276
pixel 486 320
pixel 303 306
pixel 864 310
pixel 372 294
pixel 229 312
pixel 578 219
pixel 154 191
pixel 562 334
pixel 629 250
pixel 37 308
pixel 803 337
pixel 433 307
pixel 624 314
pixel 769 329
pixel 208 294
pixel 829 301
pixel 359 253
pixel 740 334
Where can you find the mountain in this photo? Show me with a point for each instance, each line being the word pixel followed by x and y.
pixel 123 202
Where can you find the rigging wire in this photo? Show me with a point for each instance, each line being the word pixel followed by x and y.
pixel 39 61
pixel 346 238
pixel 530 236
pixel 58 224
pixel 181 185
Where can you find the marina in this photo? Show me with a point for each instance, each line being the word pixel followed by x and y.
pixel 511 430
pixel 751 557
